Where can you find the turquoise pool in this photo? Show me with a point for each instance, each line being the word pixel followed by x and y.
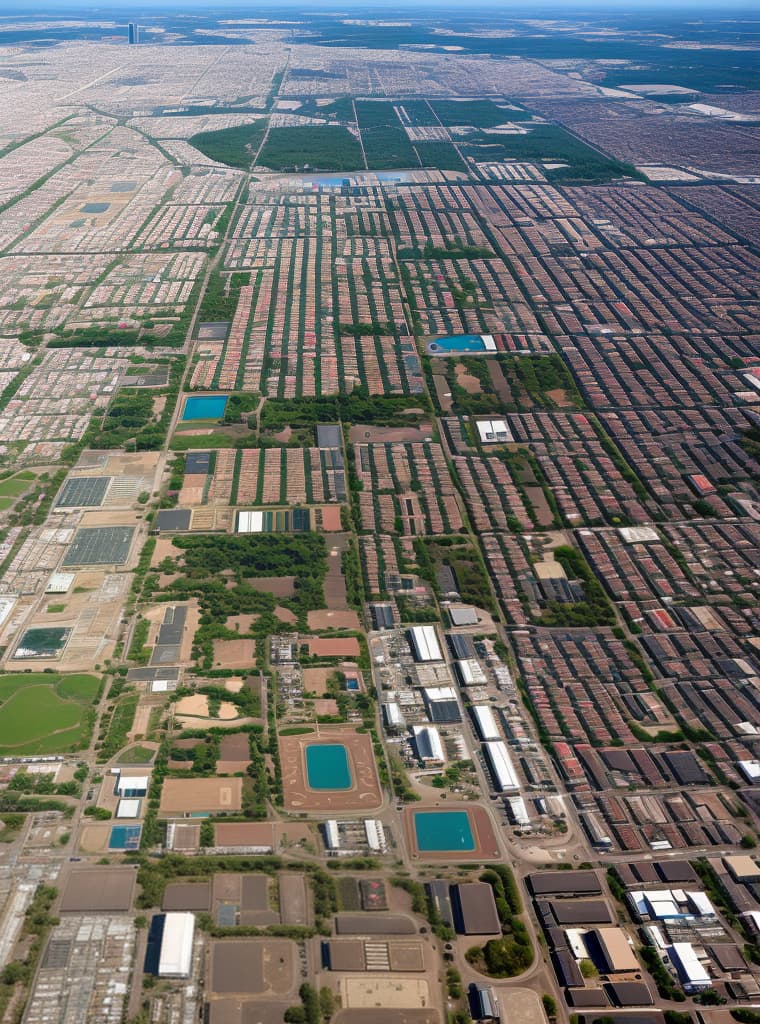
pixel 204 407
pixel 125 837
pixel 438 831
pixel 461 343
pixel 327 766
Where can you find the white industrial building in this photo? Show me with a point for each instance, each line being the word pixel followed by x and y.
pixel 132 785
pixel 375 833
pixel 494 432
pixel 750 770
pixel 128 809
pixel 428 743
pixel 470 673
pixel 691 971
pixel 500 765
pixel 176 957
pixel 425 646
pixel 250 521
pixel 517 811
pixel 485 722
pixel 670 904
pixel 60 583
pixel 393 717
pixel 332 836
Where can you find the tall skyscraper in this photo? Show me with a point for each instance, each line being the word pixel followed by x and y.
pixel 133 33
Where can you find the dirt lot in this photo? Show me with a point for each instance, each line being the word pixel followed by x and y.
pixel 280 586
pixel 334 647
pixel 465 380
pixel 335 585
pixel 164 549
pixel 234 653
pixel 315 680
pixel 377 435
pixel 241 623
pixel 99 890
pixel 294 899
pixel 384 991
pixel 252 966
pixel 325 619
pixel 188 796
pixel 331 522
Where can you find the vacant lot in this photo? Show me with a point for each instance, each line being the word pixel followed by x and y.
pixel 42 713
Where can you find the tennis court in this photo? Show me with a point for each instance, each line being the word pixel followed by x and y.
pixel 125 837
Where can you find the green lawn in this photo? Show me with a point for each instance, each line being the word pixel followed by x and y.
pixel 13 486
pixel 45 713
pixel 137 755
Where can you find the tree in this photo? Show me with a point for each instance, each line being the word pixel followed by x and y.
pixel 326 1002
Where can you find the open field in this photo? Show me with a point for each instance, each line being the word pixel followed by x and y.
pixel 45 714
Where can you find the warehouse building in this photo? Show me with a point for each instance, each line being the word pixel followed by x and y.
pixel 485 722
pixel 494 432
pixel 691 972
pixel 483 1003
pixel 500 766
pixel 610 950
pixel 392 716
pixel 176 957
pixel 463 616
pixel 469 672
pixel 441 704
pixel 565 883
pixel 424 642
pixel 132 786
pixel 474 909
pixel 427 742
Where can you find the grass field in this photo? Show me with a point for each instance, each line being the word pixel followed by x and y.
pixel 137 755
pixel 12 486
pixel 44 713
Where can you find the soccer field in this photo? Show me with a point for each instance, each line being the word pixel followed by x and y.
pixel 41 713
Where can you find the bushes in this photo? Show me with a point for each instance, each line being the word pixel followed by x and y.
pixel 593 610
pixel 116 725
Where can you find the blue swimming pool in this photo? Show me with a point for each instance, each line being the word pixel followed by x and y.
pixel 461 343
pixel 125 837
pixel 204 407
pixel 327 766
pixel 352 684
pixel 438 831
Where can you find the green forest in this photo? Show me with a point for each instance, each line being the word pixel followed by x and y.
pixel 311 147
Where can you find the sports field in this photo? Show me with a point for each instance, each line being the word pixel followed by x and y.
pixel 43 713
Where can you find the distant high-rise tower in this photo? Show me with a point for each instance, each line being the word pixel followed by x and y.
pixel 133 33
